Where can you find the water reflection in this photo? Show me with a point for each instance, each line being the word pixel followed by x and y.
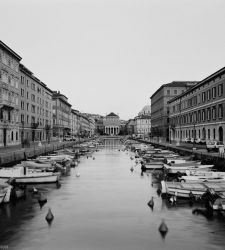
pixel 106 209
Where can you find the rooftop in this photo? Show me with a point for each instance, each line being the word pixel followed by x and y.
pixel 176 84
pixel 200 83
pixel 112 114
pixel 13 53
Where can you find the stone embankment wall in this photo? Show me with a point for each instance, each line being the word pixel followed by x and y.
pixel 17 155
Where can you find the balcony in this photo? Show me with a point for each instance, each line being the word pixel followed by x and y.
pixel 8 104
pixel 7 123
pixel 34 125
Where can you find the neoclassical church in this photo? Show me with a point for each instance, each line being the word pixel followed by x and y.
pixel 111 124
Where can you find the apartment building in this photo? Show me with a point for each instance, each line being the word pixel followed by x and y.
pixel 199 112
pixel 35 108
pixel 74 122
pixel 61 115
pixel 9 96
pixel 142 125
pixel 160 108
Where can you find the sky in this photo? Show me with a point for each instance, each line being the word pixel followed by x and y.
pixel 112 55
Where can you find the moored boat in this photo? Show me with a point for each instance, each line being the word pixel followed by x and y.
pixel 184 190
pixel 182 168
pixel 24 175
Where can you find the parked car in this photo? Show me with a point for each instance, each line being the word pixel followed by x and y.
pixel 201 141
pixel 187 140
pixel 68 138
pixel 213 145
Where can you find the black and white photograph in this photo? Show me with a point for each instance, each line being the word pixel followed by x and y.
pixel 112 125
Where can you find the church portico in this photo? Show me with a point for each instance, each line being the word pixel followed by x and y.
pixel 111 124
pixel 112 130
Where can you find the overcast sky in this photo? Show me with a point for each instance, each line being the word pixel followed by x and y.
pixel 112 55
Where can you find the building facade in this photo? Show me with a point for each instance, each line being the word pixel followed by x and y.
pixel 61 115
pixel 111 124
pixel 142 126
pixel 9 96
pixel 160 108
pixel 200 111
pixel 74 123
pixel 129 127
pixel 35 108
pixel 146 110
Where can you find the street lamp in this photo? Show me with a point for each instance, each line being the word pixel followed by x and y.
pixel 193 146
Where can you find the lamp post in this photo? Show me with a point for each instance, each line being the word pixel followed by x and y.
pixel 193 146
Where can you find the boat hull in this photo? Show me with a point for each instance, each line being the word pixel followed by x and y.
pixel 34 179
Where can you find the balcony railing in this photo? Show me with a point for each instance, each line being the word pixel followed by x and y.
pixel 34 125
pixel 7 122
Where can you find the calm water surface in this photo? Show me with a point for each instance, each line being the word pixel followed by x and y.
pixel 106 209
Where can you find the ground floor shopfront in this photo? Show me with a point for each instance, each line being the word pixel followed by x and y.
pixel 9 135
pixel 213 131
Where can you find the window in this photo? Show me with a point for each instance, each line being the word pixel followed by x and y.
pixel 33 108
pixel 208 113
pixel 27 106
pixel 199 115
pixel 168 92
pixel 22 92
pixel 22 105
pixel 214 133
pixel 32 119
pixel 220 111
pixel 27 118
pixel 203 97
pixel 175 92
pixel 33 86
pixel 27 95
pixel 32 97
pixel 208 94
pixel 220 89
pixel 208 134
pixel 214 92
pixel 203 115
pixel 214 112
pixel 22 118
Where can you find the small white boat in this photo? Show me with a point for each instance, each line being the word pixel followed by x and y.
pixel 184 190
pixel 174 169
pixel 204 173
pixel 154 165
pixel 42 166
pixel 24 175
pixel 199 179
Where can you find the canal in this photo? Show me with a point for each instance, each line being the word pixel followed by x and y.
pixel 106 209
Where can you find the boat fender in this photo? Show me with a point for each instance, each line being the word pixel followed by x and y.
pixel 163 229
pixel 151 203
pixel 49 217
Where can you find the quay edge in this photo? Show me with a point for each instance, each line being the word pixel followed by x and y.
pixel 14 156
pixel 218 161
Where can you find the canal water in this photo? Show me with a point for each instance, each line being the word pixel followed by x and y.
pixel 106 209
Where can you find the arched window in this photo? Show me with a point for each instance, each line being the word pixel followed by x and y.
pixel 16 136
pixel 12 136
